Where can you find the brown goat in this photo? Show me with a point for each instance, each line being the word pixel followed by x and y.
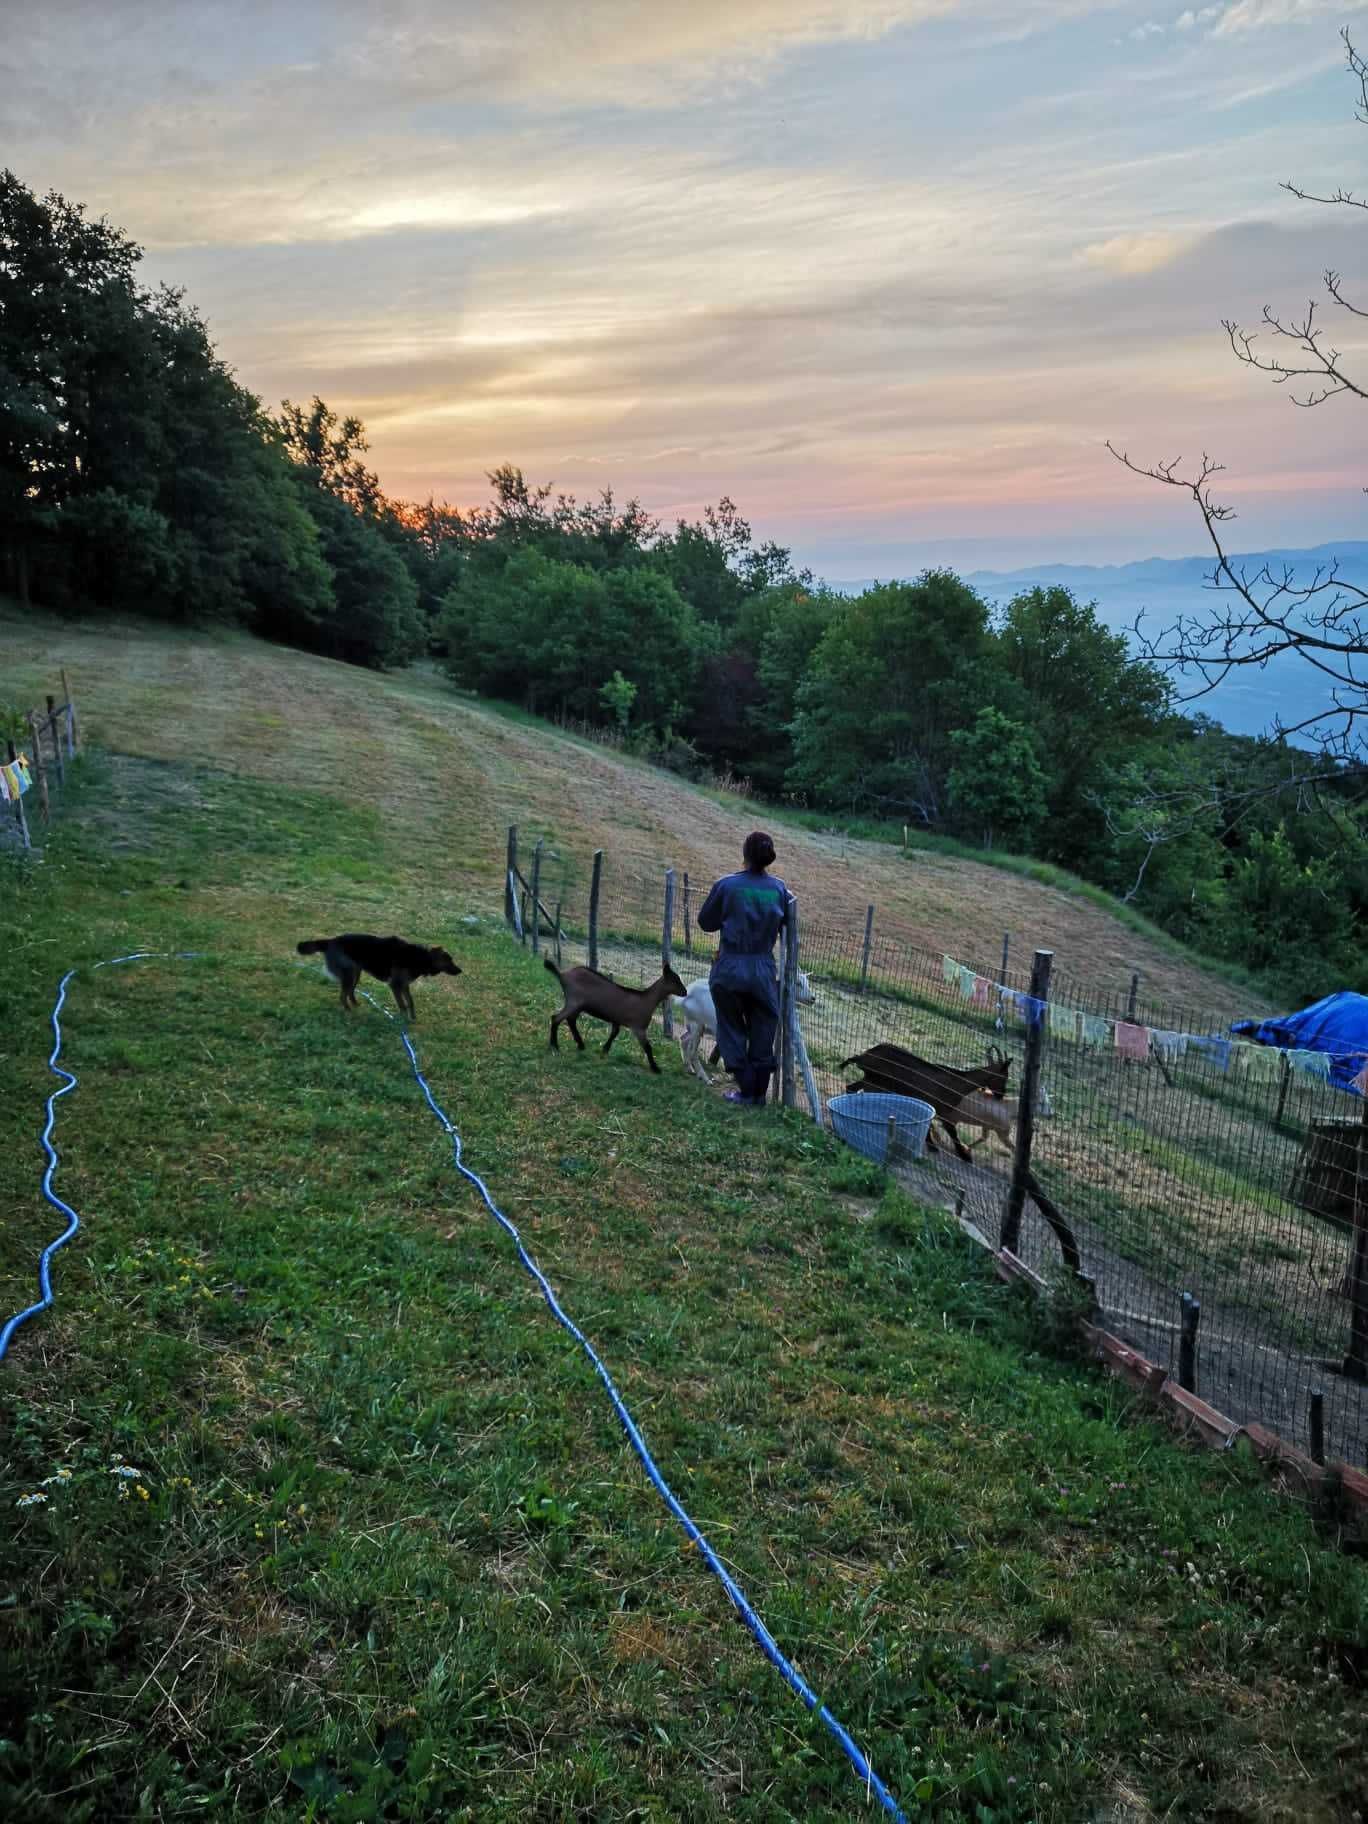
pixel 890 1069
pixel 586 991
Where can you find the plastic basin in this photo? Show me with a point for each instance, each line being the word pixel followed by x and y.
pixel 862 1122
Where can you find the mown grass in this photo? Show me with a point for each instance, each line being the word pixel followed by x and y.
pixel 386 1555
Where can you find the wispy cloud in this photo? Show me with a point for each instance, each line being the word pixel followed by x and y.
pixel 1261 15
pixel 873 263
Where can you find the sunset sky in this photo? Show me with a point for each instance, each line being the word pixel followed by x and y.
pixel 886 271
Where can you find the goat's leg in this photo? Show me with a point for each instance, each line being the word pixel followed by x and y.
pixel 572 1023
pixel 645 1044
pixel 716 1057
pixel 608 1042
pixel 555 1042
pixel 961 1150
pixel 689 1045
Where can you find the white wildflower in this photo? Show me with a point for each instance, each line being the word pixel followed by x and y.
pixel 30 1500
pixel 127 1471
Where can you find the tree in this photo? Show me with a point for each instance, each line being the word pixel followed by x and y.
pixel 996 787
pixel 67 318
pixel 330 449
pixel 895 671
pixel 1087 697
pixel 1262 614
pixel 617 697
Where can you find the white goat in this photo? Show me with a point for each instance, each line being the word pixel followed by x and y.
pixel 700 1016
pixel 996 1115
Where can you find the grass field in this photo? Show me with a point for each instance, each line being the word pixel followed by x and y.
pixel 449 774
pixel 385 1553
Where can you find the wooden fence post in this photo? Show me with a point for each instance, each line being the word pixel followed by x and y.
pixel 1282 1087
pixel 788 1005
pixel 39 770
pixel 1030 1079
pixel 800 1050
pixel 73 739
pixel 1130 999
pixel 1006 946
pixel 1317 1425
pixel 666 937
pixel 56 739
pixel 19 816
pixel 868 941
pixel 594 886
pixel 1187 1343
pixel 536 896
pixel 1356 1361
pixel 558 933
pixel 510 876
pixel 688 922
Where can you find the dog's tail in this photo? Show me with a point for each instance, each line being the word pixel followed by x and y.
pixel 311 945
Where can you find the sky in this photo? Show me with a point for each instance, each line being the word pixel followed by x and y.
pixel 889 273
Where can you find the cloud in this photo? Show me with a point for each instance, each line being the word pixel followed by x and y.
pixel 1134 253
pixel 1150 29
pixel 1258 15
pixel 1194 18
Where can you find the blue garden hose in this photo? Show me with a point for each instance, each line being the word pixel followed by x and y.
pixel 735 1594
pixel 60 1070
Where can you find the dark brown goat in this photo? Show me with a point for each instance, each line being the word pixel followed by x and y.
pixel 586 991
pixel 891 1070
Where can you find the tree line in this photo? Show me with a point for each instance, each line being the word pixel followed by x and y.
pixel 137 474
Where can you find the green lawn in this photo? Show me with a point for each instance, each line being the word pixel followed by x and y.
pixel 387 1554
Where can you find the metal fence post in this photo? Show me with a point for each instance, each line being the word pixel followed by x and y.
pixel 536 896
pixel 594 886
pixel 688 922
pixel 1030 1079
pixel 868 941
pixel 667 933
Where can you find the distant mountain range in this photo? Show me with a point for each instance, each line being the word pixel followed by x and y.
pixel 1162 588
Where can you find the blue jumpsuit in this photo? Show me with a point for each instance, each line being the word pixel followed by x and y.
pixel 748 910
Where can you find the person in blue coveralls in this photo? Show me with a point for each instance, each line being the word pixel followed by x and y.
pixel 748 910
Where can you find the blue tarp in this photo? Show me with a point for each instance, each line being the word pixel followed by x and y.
pixel 1337 1025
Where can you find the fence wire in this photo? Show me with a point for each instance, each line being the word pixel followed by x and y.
pixel 1177 1171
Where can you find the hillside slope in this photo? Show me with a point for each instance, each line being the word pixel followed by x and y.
pixel 447 776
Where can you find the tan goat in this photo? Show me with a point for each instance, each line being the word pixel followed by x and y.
pixel 586 991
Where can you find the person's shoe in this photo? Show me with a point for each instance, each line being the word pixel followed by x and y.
pixel 735 1095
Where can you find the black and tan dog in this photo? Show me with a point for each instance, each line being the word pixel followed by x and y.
pixel 388 959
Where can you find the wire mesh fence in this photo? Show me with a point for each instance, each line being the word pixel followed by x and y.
pixel 1182 1162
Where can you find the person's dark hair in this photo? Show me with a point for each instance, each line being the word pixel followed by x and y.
pixel 758 850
